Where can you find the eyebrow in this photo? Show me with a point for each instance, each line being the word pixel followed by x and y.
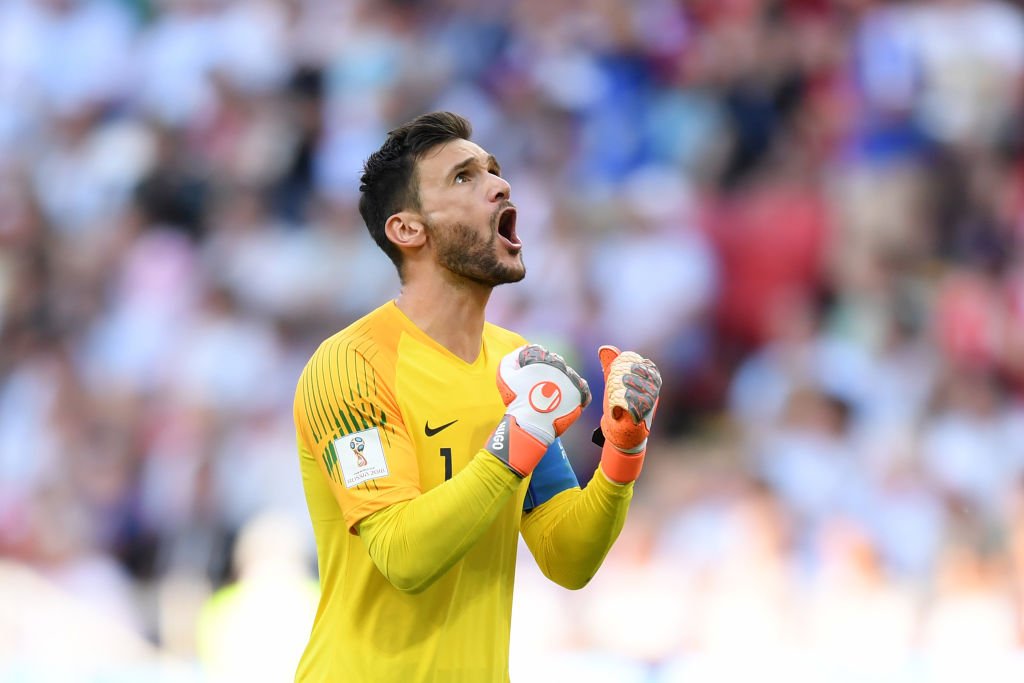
pixel 492 164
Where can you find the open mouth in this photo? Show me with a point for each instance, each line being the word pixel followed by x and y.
pixel 507 227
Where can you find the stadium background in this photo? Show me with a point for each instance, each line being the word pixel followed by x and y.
pixel 810 213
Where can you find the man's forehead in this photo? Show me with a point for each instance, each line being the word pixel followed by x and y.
pixel 452 152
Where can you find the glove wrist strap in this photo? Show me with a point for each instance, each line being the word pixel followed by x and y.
pixel 516 447
pixel 619 466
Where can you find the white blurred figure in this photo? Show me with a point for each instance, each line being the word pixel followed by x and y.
pixel 901 379
pixel 28 405
pixel 175 58
pixel 316 27
pixel 857 617
pixel 324 270
pixel 798 355
pixel 616 629
pixel 252 43
pixel 96 37
pixel 191 41
pixel 172 481
pixel 592 667
pixel 350 278
pixel 971 446
pixel 971 54
pixel 748 603
pixel 372 59
pixel 64 540
pixel 655 276
pixel 249 474
pixel 38 43
pixel 970 629
pixel 906 518
pixel 230 361
pixel 49 634
pixel 85 173
pixel 21 46
pixel 256 628
pixel 747 607
pixel 638 605
pixel 153 294
pixel 808 459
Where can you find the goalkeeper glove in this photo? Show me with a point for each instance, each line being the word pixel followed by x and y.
pixel 632 385
pixel 543 396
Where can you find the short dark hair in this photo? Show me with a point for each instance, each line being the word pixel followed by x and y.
pixel 388 183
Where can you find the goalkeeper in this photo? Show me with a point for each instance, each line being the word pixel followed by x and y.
pixel 429 439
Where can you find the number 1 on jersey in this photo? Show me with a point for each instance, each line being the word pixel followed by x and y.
pixel 446 453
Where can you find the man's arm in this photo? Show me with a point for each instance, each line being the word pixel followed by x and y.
pixel 414 542
pixel 570 534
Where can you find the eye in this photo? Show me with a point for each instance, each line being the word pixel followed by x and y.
pixel 462 177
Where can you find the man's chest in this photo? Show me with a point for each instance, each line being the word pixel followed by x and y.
pixel 448 415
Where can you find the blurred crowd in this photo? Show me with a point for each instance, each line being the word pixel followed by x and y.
pixel 810 213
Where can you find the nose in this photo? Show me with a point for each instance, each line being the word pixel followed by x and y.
pixel 500 189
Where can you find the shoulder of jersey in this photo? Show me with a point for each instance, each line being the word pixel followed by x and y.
pixel 377 330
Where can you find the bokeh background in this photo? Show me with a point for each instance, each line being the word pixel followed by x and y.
pixel 810 213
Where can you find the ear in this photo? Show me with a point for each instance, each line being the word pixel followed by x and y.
pixel 406 230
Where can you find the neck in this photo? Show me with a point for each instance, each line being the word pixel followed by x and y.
pixel 451 314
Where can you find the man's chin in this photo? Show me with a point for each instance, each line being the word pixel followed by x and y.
pixel 519 267
pixel 513 273
pixel 506 277
pixel 487 270
pixel 512 278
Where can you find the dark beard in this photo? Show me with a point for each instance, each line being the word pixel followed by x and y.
pixel 464 253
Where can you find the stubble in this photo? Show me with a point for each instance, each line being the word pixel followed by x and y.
pixel 462 251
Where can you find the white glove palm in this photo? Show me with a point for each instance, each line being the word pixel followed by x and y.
pixel 544 397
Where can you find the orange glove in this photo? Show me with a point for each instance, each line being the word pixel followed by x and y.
pixel 543 397
pixel 632 385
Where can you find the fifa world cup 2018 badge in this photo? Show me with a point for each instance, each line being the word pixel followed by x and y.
pixel 358 447
pixel 367 461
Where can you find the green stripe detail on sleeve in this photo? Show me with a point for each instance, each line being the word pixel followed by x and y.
pixel 331 460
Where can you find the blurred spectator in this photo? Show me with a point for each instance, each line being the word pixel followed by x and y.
pixel 256 627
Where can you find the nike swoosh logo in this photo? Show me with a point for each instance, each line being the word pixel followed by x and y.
pixel 431 432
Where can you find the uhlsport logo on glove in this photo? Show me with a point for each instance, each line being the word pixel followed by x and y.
pixel 545 397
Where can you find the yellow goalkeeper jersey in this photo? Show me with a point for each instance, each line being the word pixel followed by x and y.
pixel 383 413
